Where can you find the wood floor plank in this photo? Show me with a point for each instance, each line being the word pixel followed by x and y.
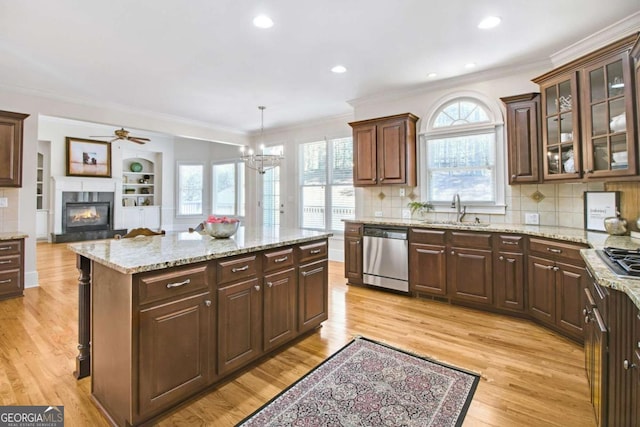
pixel 530 375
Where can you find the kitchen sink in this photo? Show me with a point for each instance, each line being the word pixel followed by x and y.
pixel 458 223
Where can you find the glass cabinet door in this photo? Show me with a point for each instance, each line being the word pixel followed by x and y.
pixel 560 129
pixel 608 131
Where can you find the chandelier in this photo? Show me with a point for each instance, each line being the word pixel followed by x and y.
pixel 260 162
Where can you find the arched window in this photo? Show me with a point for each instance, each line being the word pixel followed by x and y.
pixel 462 154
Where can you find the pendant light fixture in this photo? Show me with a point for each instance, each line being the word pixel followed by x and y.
pixel 260 162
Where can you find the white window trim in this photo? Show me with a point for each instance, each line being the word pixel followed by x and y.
pixel 496 124
pixel 177 193
pixel 236 184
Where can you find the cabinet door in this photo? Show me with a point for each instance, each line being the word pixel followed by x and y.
pixel 542 294
pixel 239 324
pixel 313 297
pixel 279 308
pixel 508 279
pixel 570 283
pixel 131 217
pixel 151 217
pixel 353 259
pixel 391 151
pixel 428 269
pixel 11 148
pixel 470 276
pixel 364 155
pixel 608 122
pixel 596 345
pixel 560 128
pixel 523 138
pixel 175 351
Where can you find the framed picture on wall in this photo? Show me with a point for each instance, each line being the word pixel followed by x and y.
pixel 599 205
pixel 86 157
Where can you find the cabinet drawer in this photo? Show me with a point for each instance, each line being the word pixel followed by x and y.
pixel 510 243
pixel 316 250
pixel 178 281
pixel 472 240
pixel 556 249
pixel 10 282
pixel 230 270
pixel 275 260
pixel 425 235
pixel 10 262
pixel 353 229
pixel 10 247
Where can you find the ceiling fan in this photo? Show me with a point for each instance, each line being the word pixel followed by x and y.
pixel 124 135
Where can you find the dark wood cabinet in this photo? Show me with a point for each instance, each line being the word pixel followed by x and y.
pixel 427 262
pixel 596 343
pixel 508 272
pixel 353 266
pixel 570 283
pixel 523 138
pixel 11 125
pixel 469 275
pixel 279 308
pixel 11 268
pixel 541 285
pixel 384 151
pixel 313 297
pixel 175 351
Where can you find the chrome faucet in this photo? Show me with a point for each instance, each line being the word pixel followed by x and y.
pixel 460 210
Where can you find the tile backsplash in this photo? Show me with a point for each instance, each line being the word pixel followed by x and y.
pixel 9 215
pixel 556 204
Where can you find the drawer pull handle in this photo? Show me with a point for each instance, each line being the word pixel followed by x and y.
pixel 5 248
pixel 5 281
pixel 207 303
pixel 178 284
pixel 5 262
pixel 257 287
pixel 238 269
pixel 315 251
pixel 283 259
pixel 501 258
pixel 628 365
pixel 270 284
pixel 504 242
pixel 554 251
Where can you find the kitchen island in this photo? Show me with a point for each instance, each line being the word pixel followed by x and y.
pixel 162 318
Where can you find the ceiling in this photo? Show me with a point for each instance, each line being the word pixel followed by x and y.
pixel 203 60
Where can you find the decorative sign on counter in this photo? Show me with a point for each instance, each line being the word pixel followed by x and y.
pixel 599 205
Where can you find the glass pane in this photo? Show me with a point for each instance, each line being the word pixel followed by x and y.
pixel 461 151
pixel 313 200
pixel 596 85
pixel 615 79
pixel 343 200
pixel 551 94
pixel 600 154
pixel 618 119
pixel 241 184
pixel 566 123
pixel 553 160
pixel 619 154
pixel 568 160
pixel 314 163
pixel 552 130
pixel 224 189
pixel 473 185
pixel 599 119
pixel 461 113
pixel 342 172
pixel 271 191
pixel 190 179
pixel 565 98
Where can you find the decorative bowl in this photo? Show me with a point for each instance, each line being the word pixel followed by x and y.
pixel 135 167
pixel 221 230
pixel 615 226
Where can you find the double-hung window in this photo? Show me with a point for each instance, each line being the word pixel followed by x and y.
pixel 462 154
pixel 228 189
pixel 326 184
pixel 190 188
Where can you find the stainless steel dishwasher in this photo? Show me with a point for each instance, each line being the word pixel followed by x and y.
pixel 386 257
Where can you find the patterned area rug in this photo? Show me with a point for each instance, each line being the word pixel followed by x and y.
pixel 368 383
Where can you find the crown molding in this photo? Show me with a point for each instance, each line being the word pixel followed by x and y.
pixel 344 118
pixel 607 35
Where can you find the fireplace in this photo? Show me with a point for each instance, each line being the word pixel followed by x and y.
pixel 81 216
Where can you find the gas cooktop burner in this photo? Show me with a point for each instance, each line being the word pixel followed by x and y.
pixel 623 262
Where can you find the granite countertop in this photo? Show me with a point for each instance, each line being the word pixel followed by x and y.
pixel 10 235
pixel 596 240
pixel 146 253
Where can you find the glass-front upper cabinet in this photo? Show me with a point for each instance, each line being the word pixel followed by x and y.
pixel 560 128
pixel 608 124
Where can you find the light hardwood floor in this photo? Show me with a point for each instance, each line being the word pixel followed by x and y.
pixel 530 375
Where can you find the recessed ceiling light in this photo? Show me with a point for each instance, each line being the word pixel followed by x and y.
pixel 263 21
pixel 339 69
pixel 431 75
pixel 470 65
pixel 489 22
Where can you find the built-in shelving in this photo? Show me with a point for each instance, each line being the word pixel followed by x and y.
pixel 138 188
